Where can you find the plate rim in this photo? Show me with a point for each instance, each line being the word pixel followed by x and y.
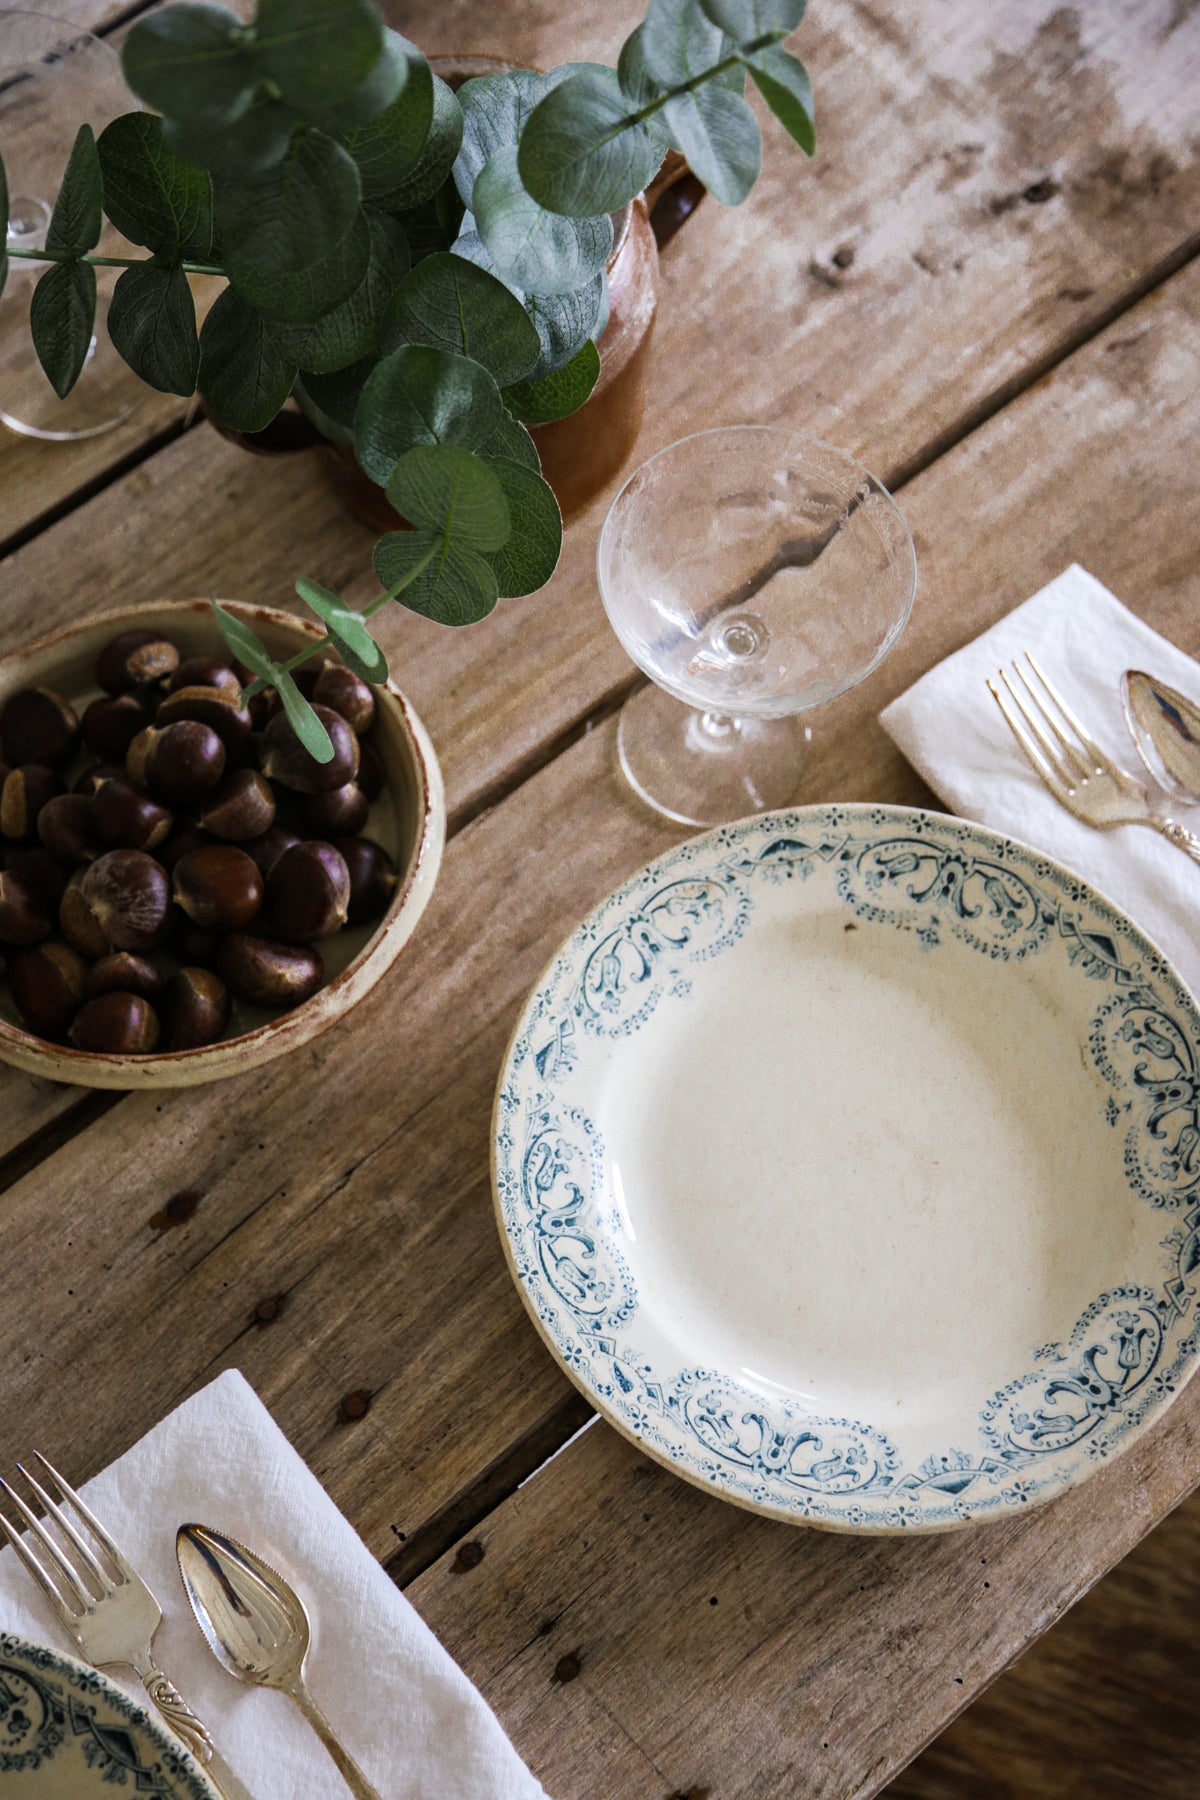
pixel 867 1526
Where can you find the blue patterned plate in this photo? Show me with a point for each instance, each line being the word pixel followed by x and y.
pixel 848 1159
pixel 68 1733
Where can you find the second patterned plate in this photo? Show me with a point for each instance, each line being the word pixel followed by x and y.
pixel 849 1160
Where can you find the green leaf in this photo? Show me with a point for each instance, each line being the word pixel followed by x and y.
pixel 540 251
pixel 337 395
pixel 419 395
pixel 638 85
pixel 446 489
pixel 151 196
pixel 433 165
pixel 782 80
pixel 564 323
pixel 243 377
pixel 287 217
pixel 190 62
pixel 249 648
pixel 389 147
pixel 3 215
pixel 444 581
pixel 374 94
pixel 580 152
pixel 451 304
pixel 510 442
pixel 718 133
pixel 558 394
pixel 325 424
pixel 152 323
pixel 347 628
pixel 494 110
pixel 748 19
pixel 317 51
pixel 62 313
pixel 349 331
pixel 678 42
pixel 300 296
pixel 76 221
pixel 256 140
pixel 529 557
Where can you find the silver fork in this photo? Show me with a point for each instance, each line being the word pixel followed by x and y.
pixel 1073 766
pixel 108 1611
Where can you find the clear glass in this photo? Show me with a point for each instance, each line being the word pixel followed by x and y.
pixel 752 574
pixel 53 77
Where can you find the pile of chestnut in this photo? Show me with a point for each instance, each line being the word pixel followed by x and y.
pixel 201 854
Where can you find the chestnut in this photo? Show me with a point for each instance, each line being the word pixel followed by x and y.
pixel 372 777
pixel 123 973
pixel 46 982
pixel 342 812
pixel 196 948
pixel 39 869
pixel 128 819
pixel 185 838
pixel 205 671
pixel 79 924
pixel 347 693
pixel 307 893
pixel 116 1024
pixel 134 657
pixel 67 827
pixel 269 847
pixel 110 724
pixel 26 790
pixel 269 974
pixel 241 806
pixel 372 874
pixel 25 916
pixel 284 758
pixel 218 887
pixel 195 1009
pixel 130 897
pixel 96 773
pixel 179 763
pixel 220 709
pixel 37 726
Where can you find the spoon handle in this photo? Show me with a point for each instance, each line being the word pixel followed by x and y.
pixel 347 1768
pixel 1178 834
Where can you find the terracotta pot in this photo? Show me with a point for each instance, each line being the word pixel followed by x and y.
pixel 408 819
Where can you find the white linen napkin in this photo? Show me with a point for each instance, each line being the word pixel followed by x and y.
pixel 952 731
pixel 407 1714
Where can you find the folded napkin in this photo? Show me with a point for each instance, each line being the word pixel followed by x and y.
pixel 402 1707
pixel 952 731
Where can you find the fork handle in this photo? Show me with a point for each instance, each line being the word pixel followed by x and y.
pixel 1179 835
pixel 191 1731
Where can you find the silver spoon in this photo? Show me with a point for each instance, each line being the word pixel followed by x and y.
pixel 1165 726
pixel 256 1627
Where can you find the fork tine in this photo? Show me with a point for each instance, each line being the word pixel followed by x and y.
pixel 1033 724
pixel 1102 762
pixel 121 1563
pixel 69 1532
pixel 1049 775
pixel 61 1605
pixel 1072 748
pixel 64 1574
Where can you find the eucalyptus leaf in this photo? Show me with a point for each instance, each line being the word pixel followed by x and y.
pixel 529 557
pixel 373 95
pixel 301 296
pixel 719 135
pixel 678 41
pixel 256 140
pixel 421 395
pixel 243 377
pixel 337 395
pixel 494 111
pixel 347 628
pixel 451 304
pixel 602 315
pixel 565 322
pixel 62 312
pixel 389 147
pixel 557 395
pixel 581 153
pixel 638 85
pixel 246 644
pixel 317 51
pixel 249 648
pixel 746 20
pixel 446 582
pixel 783 82
pixel 76 220
pixel 435 159
pixel 3 215
pixel 286 217
pixel 190 61
pixel 445 489
pixel 152 323
pixel 151 195
pixel 540 251
pixel 327 426
pixel 510 442
pixel 348 332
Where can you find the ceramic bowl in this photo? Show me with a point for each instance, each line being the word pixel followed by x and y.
pixel 408 819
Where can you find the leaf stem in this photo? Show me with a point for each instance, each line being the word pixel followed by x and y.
pixel 109 262
pixel 727 62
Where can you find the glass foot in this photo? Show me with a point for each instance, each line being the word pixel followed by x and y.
pixel 705 768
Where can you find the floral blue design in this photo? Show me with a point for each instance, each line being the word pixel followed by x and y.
pixel 1075 1402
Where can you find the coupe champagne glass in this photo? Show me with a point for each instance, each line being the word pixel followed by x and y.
pixel 53 78
pixel 752 574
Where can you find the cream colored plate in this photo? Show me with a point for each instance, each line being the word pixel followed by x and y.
pixel 848 1158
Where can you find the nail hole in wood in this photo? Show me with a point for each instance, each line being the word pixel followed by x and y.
pixel 567 1667
pixel 178 1210
pixel 468 1557
pixel 354 1405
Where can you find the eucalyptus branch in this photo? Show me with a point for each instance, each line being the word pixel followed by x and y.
pixel 706 75
pixel 108 262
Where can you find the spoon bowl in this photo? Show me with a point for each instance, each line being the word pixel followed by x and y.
pixel 1165 726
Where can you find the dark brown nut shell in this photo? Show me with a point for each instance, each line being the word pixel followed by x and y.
pixel 130 897
pixel 340 813
pixel 37 726
pixel 204 671
pixel 26 790
pixel 122 973
pixel 307 893
pixel 195 947
pixel 116 1025
pixel 348 694
pixel 179 763
pixel 241 806
pixel 267 849
pixel 218 708
pixel 218 887
pixel 79 924
pixel 96 773
pixel 183 839
pixel 25 917
pixel 373 878
pixel 111 724
pixel 42 872
pixel 195 1009
pixel 128 819
pixel 46 983
pixel 284 759
pixel 267 973
pixel 133 657
pixel 67 828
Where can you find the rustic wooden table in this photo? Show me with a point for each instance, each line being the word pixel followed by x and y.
pixel 985 286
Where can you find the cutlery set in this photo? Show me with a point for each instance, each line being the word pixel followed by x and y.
pixel 253 1621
